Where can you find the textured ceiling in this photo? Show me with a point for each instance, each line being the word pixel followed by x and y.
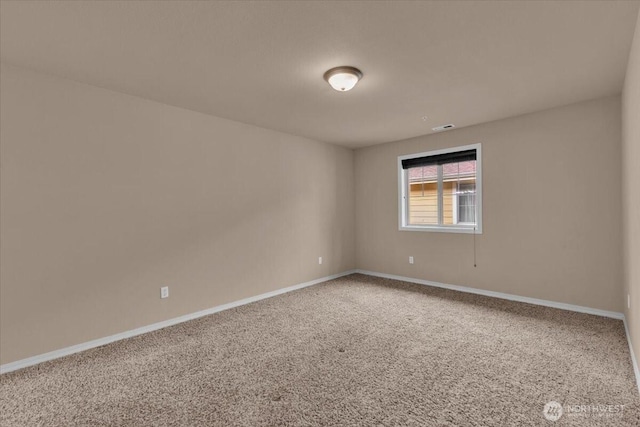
pixel 262 62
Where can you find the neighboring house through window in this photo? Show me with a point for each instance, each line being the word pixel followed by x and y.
pixel 441 190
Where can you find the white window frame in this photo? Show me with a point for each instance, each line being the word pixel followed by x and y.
pixel 403 181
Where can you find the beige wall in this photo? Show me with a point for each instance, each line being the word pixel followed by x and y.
pixel 551 209
pixel 631 190
pixel 107 197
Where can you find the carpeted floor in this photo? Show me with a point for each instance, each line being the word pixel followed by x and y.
pixel 354 351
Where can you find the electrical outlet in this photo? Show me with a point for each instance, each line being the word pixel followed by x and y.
pixel 164 292
pixel 628 301
pixel 410 260
pixel 320 260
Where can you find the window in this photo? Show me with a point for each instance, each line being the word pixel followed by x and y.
pixel 441 190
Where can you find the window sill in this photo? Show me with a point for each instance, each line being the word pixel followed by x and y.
pixel 441 229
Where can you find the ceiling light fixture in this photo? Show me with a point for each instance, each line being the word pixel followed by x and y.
pixel 344 78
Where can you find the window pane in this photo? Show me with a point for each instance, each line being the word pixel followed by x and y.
pixel 459 187
pixel 467 202
pixel 448 202
pixel 423 195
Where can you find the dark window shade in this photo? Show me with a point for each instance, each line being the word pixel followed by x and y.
pixel 439 159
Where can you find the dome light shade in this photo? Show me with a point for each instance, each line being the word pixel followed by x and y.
pixel 343 79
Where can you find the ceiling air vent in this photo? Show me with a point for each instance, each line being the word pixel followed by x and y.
pixel 443 127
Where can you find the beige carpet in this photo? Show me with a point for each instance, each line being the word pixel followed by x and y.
pixel 353 351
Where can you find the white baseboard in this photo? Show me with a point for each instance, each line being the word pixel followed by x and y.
pixel 510 297
pixel 34 360
pixel 634 361
pixel 535 301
